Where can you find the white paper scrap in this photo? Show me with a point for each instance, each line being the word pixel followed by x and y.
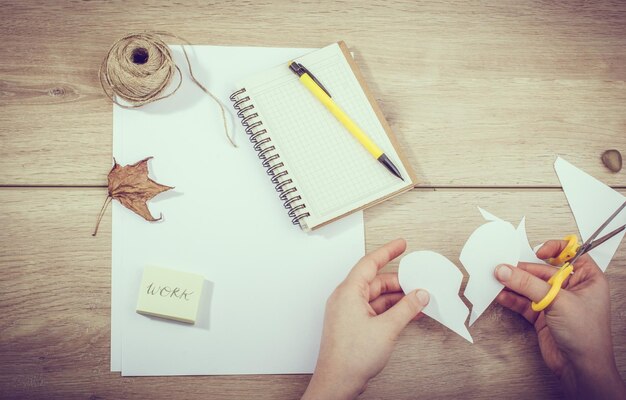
pixel 592 202
pixel 527 254
pixel 442 279
pixel 488 216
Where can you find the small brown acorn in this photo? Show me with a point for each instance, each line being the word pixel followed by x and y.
pixel 612 159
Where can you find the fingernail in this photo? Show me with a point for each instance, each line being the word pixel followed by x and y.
pixel 422 296
pixel 503 272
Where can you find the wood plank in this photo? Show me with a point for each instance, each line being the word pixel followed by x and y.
pixel 55 304
pixel 478 94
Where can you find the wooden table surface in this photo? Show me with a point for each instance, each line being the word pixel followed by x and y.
pixel 482 96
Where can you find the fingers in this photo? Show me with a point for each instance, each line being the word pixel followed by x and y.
pixel 406 309
pixel 517 303
pixel 551 248
pixel 385 302
pixel 367 268
pixel 384 283
pixel 522 282
pixel 544 272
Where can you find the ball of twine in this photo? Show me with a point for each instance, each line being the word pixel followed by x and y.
pixel 139 68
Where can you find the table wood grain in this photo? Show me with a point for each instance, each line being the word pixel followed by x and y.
pixel 481 95
pixel 55 304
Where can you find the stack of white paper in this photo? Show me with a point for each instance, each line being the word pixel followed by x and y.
pixel 267 281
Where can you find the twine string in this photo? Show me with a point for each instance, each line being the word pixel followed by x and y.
pixel 139 68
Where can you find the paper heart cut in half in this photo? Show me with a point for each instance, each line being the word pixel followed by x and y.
pixel 496 242
pixel 442 279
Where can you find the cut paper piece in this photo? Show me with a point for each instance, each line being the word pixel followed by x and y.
pixel 488 216
pixel 526 253
pixel 592 202
pixel 442 279
pixel 493 243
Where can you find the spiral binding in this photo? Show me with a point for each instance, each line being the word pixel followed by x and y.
pixel 270 158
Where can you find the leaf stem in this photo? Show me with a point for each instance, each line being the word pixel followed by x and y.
pixel 102 211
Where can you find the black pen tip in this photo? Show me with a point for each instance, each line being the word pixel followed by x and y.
pixel 384 160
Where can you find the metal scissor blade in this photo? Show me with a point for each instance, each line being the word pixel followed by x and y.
pixel 589 242
pixel 604 238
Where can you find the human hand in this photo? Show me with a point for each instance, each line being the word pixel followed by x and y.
pixel 364 316
pixel 574 332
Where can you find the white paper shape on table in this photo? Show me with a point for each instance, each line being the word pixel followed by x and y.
pixel 442 279
pixel 496 242
pixel 592 202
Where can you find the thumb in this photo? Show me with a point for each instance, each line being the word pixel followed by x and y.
pixel 398 316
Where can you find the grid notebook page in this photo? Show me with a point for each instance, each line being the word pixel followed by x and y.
pixel 332 171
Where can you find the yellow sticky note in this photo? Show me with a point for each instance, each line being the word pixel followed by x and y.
pixel 171 294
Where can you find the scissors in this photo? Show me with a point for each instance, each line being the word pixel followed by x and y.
pixel 568 256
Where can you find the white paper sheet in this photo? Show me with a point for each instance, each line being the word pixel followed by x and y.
pixel 592 202
pixel 491 244
pixel 442 279
pixel 267 280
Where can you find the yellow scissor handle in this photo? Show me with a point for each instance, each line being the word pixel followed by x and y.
pixel 556 281
pixel 568 252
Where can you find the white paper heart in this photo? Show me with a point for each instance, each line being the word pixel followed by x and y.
pixel 442 279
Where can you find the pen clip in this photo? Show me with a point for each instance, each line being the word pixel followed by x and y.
pixel 300 69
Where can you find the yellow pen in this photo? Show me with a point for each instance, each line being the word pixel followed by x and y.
pixel 318 90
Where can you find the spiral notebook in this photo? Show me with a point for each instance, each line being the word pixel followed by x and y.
pixel 321 173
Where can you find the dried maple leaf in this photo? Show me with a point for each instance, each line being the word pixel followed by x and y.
pixel 132 187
